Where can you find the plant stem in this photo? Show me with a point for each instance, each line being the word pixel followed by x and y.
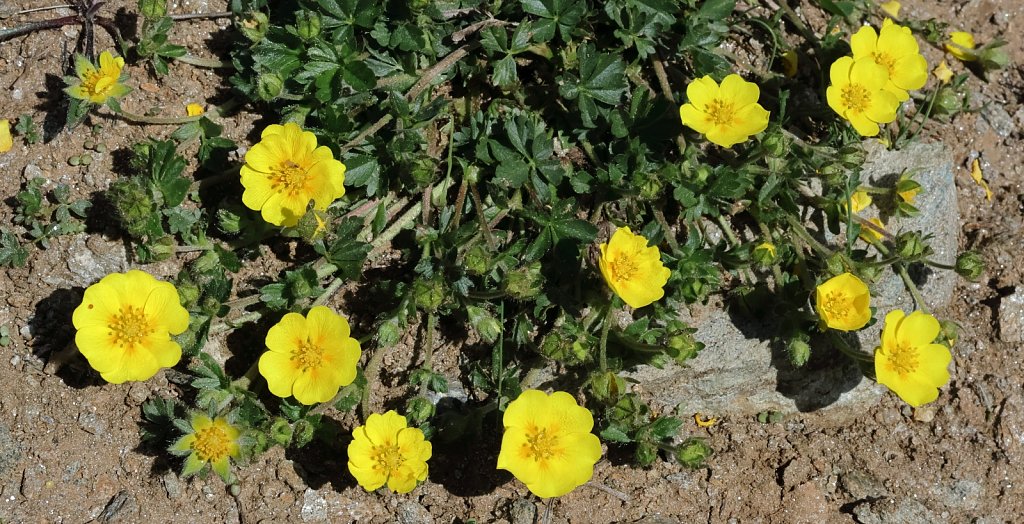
pixel 485 228
pixel 428 348
pixel 371 371
pixel 391 232
pixel 939 265
pixel 805 235
pixel 666 90
pixel 670 236
pixel 602 348
pixel 845 349
pixel 248 377
pixel 197 16
pixel 914 292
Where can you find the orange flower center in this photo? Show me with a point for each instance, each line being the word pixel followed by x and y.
pixel 387 457
pixel 837 305
pixel 903 359
pixel 289 178
pixel 129 327
pixel 211 444
pixel 720 112
pixel 623 267
pixel 856 98
pixel 308 355
pixel 541 444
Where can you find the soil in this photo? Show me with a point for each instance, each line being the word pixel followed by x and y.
pixel 70 448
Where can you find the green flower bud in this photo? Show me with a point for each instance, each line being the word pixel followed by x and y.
pixel 153 9
pixel 307 24
pixel 302 433
pixel 419 5
pixel 852 156
pixel 948 102
pixel 269 85
pixel 993 58
pixel 423 171
pixel 472 174
pixel 650 186
pixel 229 221
pixel 911 246
pixel 486 326
pixel 607 386
pixel 254 26
pixel 702 174
pixel 133 206
pixel 684 346
pixel 388 332
pixel 477 260
pixel 835 264
pixel 798 350
pixel 525 282
pixel 313 225
pixel 775 144
pixel 693 452
pixel 970 265
pixel 211 306
pixel 281 431
pixel 429 294
pixel 764 254
pixel 949 332
pixel 646 453
pixel 418 410
pixel 188 292
pixel 565 348
pixel 161 249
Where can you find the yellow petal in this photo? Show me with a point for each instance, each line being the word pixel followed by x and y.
pixel 6 142
pixel 790 61
pixel 280 372
pixel 978 177
pixel 194 110
pixel 891 8
pixel 943 72
pixel 961 45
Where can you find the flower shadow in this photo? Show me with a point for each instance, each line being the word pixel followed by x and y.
pixel 54 339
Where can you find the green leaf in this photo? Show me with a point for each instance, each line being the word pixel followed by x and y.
pixel 576 229
pixel 563 15
pixel 346 252
pixel 717 10
pixel 614 434
pixel 11 252
pixel 363 170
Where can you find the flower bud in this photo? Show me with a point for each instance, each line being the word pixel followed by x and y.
pixel 388 332
pixel 970 265
pixel 477 260
pixel 188 292
pixel 607 386
pixel 153 9
pixel 472 174
pixel 254 26
pixel 429 294
pixel 423 171
pixel 229 221
pixel 684 346
pixel 852 156
pixel 161 249
pixel 798 350
pixel 911 246
pixel 948 102
pixel 693 452
pixel 835 264
pixel 302 433
pixel 702 174
pixel 993 58
pixel 269 85
pixel 525 282
pixel 764 253
pixel 313 225
pixel 775 144
pixel 949 332
pixel 281 432
pixel 486 326
pixel 307 24
pixel 133 206
pixel 650 187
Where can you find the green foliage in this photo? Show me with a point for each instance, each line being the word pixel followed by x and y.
pixel 26 127
pixel 45 214
pixel 153 44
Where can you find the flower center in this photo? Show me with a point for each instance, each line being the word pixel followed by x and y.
pixel 623 267
pixel 289 177
pixel 541 444
pixel 387 458
pixel 856 98
pixel 129 327
pixel 837 305
pixel 211 444
pixel 308 355
pixel 721 112
pixel 885 60
pixel 903 359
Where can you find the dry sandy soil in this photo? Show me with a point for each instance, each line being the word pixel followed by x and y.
pixel 70 448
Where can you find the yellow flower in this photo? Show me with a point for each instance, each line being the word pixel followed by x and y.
pixel 858 94
pixel 979 178
pixel 386 451
pixel 860 200
pixel 97 84
pixel 632 269
pixel 843 303
pixel 961 45
pixel 212 441
pixel 286 170
pixel 125 323
pixel 310 357
pixel 6 142
pixel 870 234
pixel 895 48
pixel 767 247
pixel 725 115
pixel 908 362
pixel 194 109
pixel 909 195
pixel 891 8
pixel 548 444
pixel 943 72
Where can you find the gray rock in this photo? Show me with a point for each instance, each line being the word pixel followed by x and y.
pixel 996 116
pixel 10 452
pixel 90 423
pixel 412 512
pixel 1011 317
pixel 121 508
pixel 523 512
pixel 171 485
pixel 314 506
pixel 87 259
pixel 1010 428
pixel 904 511
pixel 741 371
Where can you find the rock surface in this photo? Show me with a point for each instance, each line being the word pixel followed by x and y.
pixel 742 372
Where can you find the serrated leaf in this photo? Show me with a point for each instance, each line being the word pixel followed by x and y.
pixel 614 434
